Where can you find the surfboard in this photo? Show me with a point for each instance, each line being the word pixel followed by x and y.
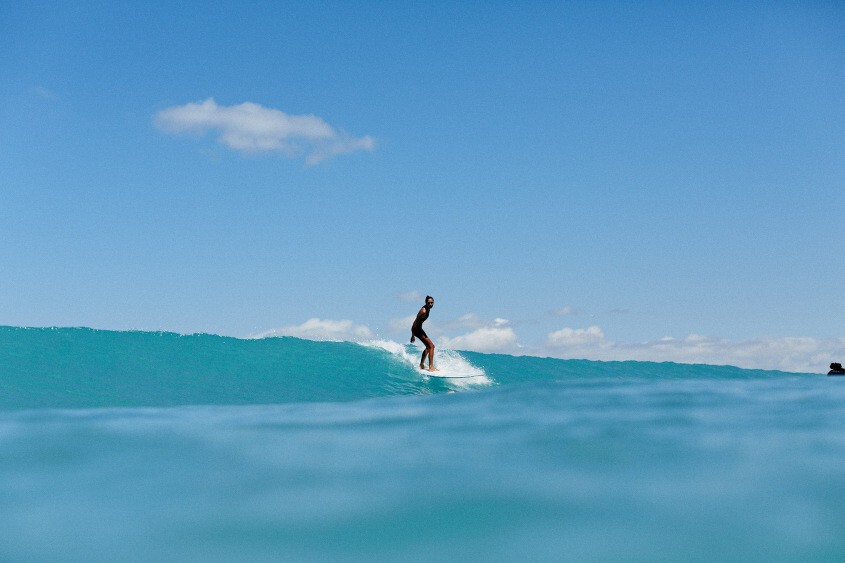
pixel 447 375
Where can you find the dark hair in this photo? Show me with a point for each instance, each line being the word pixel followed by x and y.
pixel 427 297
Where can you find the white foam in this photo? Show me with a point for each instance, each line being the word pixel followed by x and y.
pixel 448 362
pixel 394 348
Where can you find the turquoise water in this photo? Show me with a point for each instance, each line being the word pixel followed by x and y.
pixel 128 446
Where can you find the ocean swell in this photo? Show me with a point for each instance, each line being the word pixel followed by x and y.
pixel 86 368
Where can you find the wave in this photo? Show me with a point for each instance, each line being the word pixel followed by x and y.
pixel 88 368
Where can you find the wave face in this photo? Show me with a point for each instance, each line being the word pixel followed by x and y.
pixel 133 446
pixel 85 368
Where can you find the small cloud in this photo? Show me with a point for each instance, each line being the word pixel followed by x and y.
pixel 619 312
pixel 568 337
pixel 252 128
pixel 565 312
pixel 470 320
pixel 411 296
pixel 44 93
pixel 485 339
pixel 342 144
pixel 473 321
pixel 322 329
pixel 403 324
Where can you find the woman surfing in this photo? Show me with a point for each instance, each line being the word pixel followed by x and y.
pixel 418 332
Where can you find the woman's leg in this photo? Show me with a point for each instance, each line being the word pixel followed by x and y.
pixel 429 349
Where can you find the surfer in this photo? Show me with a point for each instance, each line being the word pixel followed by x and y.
pixel 836 369
pixel 418 332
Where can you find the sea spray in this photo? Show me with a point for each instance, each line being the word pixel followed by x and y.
pixel 451 365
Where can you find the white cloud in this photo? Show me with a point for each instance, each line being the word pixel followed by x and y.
pixel 322 329
pixel 485 339
pixel 250 127
pixel 411 296
pixel 566 311
pixel 619 311
pixel 402 325
pixel 342 144
pixel 470 320
pixel 786 354
pixel 44 93
pixel 576 337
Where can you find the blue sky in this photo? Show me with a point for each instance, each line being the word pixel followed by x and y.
pixel 610 180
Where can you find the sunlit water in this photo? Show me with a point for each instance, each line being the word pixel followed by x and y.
pixel 537 460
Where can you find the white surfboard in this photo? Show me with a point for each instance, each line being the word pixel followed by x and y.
pixel 447 375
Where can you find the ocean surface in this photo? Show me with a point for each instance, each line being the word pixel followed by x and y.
pixel 138 446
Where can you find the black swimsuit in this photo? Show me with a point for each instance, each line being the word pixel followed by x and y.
pixel 417 330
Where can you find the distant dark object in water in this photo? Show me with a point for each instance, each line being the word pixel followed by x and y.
pixel 836 369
